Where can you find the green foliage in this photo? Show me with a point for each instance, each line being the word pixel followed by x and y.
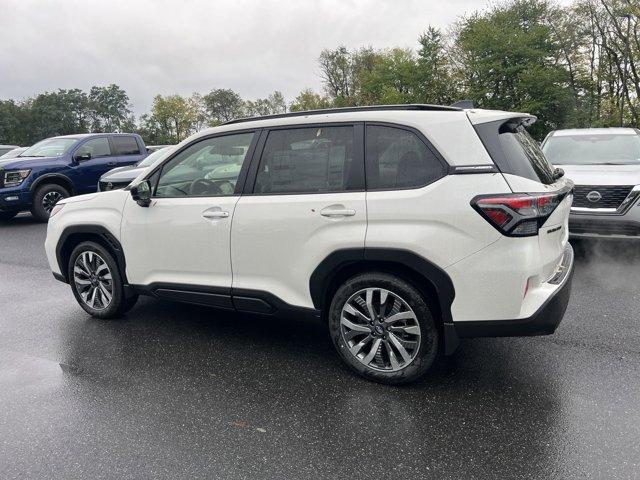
pixel 506 62
pixel 222 105
pixel 273 104
pixel 307 99
pixel 109 109
pixel 172 119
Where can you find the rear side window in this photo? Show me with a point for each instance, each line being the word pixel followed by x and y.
pixel 396 158
pixel 514 151
pixel 125 145
pixel 308 160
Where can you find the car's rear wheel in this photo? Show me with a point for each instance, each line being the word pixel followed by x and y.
pixel 383 329
pixel 96 281
pixel 45 199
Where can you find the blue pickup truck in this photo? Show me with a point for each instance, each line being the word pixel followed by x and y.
pixel 60 167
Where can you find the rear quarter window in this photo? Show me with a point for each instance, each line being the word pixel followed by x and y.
pixel 125 145
pixel 396 158
pixel 514 151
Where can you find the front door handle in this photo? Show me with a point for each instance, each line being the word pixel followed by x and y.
pixel 215 214
pixel 337 211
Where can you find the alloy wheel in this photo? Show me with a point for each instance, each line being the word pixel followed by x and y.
pixel 380 329
pixel 93 280
pixel 50 199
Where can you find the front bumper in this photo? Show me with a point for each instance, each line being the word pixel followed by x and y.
pixel 543 322
pixel 595 223
pixel 583 226
pixel 14 199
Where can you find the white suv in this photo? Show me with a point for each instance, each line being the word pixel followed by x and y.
pixel 403 228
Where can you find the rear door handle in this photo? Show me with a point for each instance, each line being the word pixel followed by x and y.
pixel 337 212
pixel 215 214
pixel 112 164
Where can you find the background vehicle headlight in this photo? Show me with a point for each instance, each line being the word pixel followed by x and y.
pixel 13 178
pixel 56 208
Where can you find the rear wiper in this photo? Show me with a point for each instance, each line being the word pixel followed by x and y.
pixel 558 173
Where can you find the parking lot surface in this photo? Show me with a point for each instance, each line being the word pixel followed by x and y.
pixel 177 391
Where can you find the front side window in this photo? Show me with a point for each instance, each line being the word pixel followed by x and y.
pixel 51 147
pixel 398 159
pixel 207 168
pixel 125 145
pixel 96 147
pixel 308 160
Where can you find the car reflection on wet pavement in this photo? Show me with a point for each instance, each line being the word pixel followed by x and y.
pixel 176 391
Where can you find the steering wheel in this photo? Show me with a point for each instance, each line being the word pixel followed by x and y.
pixel 203 187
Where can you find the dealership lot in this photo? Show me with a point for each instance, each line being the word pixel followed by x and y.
pixel 182 391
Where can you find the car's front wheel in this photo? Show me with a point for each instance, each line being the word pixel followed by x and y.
pixel 382 328
pixel 96 281
pixel 45 198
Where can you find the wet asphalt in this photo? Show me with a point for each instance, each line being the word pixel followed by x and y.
pixel 176 391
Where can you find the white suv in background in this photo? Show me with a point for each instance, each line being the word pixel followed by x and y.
pixel 604 163
pixel 401 227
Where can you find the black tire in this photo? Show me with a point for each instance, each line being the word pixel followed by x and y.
pixel 119 303
pixel 41 207
pixel 423 355
pixel 6 216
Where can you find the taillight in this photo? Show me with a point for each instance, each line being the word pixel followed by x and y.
pixel 518 214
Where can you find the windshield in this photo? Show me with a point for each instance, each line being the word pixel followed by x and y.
pixel 152 157
pixel 51 147
pixel 597 149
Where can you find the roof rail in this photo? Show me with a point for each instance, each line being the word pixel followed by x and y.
pixel 371 108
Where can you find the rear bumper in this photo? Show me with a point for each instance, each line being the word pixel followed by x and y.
pixel 543 322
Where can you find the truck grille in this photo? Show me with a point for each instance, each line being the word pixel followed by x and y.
pixel 611 195
pixel 604 227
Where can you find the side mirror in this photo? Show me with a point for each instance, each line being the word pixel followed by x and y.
pixel 141 193
pixel 82 157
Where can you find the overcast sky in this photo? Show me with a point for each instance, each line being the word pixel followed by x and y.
pixel 173 46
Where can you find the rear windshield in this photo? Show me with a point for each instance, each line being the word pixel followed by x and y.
pixel 514 151
pixel 600 149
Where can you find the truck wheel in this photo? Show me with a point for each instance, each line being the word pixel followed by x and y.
pixel 383 328
pixel 4 216
pixel 96 282
pixel 45 199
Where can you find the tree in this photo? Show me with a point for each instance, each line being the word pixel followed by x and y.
pixel 343 72
pixel 172 119
pixel 222 105
pixel 505 59
pixel 307 99
pixel 389 78
pixel 110 109
pixel 273 104
pixel 57 113
pixel 435 83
